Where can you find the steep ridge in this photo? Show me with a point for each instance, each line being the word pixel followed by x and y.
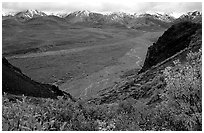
pixel 147 84
pixel 15 82
pixel 194 16
pixel 28 14
pixel 175 39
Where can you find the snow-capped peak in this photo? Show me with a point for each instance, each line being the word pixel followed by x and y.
pixel 194 13
pixel 120 14
pixel 58 14
pixel 35 12
pixel 81 13
pixel 145 14
pixel 157 15
pixel 61 15
pixel 30 13
pixel 86 12
pixel 191 15
pixel 8 13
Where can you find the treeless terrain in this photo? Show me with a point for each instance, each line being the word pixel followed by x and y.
pixel 109 75
pixel 77 58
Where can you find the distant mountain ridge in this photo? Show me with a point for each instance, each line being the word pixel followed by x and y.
pixel 29 14
pixel 32 13
pixel 195 17
pixel 135 21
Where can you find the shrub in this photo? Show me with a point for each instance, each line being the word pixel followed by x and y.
pixel 47 115
pixel 182 104
pixel 180 109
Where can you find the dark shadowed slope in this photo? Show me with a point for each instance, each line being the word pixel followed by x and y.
pixel 175 39
pixel 15 82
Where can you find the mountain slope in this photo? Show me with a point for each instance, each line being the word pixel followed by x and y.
pixel 15 82
pixel 28 14
pixel 174 44
pixel 47 20
pixel 120 18
pixel 175 39
pixel 195 17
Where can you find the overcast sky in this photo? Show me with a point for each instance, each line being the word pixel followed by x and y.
pixel 129 6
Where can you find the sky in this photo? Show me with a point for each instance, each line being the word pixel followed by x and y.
pixel 104 6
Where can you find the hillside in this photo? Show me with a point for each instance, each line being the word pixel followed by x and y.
pixel 142 85
pixel 15 82
pixel 175 39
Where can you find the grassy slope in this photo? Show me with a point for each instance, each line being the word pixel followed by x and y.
pixel 104 48
pixel 184 113
pixel 15 82
pixel 65 38
pixel 107 76
pixel 148 84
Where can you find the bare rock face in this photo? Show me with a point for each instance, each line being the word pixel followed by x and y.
pixel 175 39
pixel 15 82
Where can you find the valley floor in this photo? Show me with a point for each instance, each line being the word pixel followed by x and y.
pixel 108 76
pixel 83 71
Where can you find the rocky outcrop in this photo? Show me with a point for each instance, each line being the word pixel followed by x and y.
pixel 175 39
pixel 15 82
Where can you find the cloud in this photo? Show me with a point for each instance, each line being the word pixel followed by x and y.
pixel 131 6
pixel 178 7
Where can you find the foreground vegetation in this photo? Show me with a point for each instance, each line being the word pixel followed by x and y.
pixel 180 107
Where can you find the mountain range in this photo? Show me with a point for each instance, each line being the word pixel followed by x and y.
pixel 91 18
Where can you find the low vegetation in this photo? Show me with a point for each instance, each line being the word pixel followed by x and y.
pixel 180 107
